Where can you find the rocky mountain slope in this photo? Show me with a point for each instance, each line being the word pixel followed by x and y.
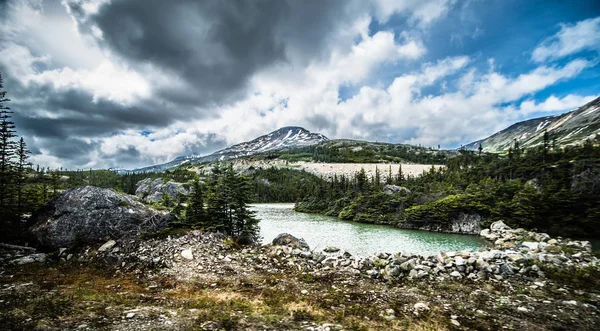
pixel 286 137
pixel 569 128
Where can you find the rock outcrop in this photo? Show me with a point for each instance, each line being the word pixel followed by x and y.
pixel 462 224
pixel 286 239
pixel 151 190
pixel 393 189
pixel 90 214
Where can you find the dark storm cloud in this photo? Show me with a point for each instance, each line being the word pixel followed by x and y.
pixel 214 46
pixel 206 52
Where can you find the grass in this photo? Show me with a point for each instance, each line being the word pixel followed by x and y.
pixel 63 296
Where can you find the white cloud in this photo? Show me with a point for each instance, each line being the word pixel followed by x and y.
pixel 571 39
pixel 421 12
pixel 107 81
pixel 554 104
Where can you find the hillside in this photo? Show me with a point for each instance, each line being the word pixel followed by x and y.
pixel 286 137
pixel 570 128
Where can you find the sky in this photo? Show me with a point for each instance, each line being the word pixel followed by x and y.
pixel 131 83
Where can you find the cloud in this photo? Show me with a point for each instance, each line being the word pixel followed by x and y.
pixel 143 81
pixel 211 48
pixel 556 104
pixel 571 39
pixel 419 12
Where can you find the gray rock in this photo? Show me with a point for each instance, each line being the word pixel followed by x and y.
pixel 39 257
pixel 331 249
pixel 90 215
pixel 286 239
pixel 393 189
pixel 499 225
pixel 108 245
pixel 154 190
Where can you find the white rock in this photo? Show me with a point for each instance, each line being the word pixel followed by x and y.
pixel 187 254
pixel 421 306
pixel 107 245
pixel 531 245
pixel 130 315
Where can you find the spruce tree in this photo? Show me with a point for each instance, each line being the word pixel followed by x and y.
pixel 7 157
pixel 245 226
pixel 194 213
pixel 22 164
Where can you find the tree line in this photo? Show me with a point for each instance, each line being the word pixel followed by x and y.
pixel 546 188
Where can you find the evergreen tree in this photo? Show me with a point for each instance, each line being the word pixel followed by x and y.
pixel 194 213
pixel 7 155
pixel 361 180
pixel 22 164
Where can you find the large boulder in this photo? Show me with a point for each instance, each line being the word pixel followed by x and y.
pixel 393 189
pixel 286 239
pixel 90 214
pixel 153 190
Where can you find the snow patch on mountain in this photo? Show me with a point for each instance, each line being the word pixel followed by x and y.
pixel 286 137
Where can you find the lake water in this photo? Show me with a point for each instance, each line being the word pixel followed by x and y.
pixel 357 238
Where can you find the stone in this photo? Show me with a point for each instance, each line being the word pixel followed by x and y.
pixel 531 245
pixel 331 249
pixel 153 190
pixel 389 314
pixel 499 225
pixel 408 265
pixel 39 257
pixel 455 322
pixel 393 189
pixel 304 292
pixel 286 239
pixel 455 274
pixel 108 245
pixel 90 215
pixel 187 254
pixel 130 315
pixel 421 306
pixel 459 261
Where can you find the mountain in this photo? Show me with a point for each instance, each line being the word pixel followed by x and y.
pixel 570 128
pixel 286 137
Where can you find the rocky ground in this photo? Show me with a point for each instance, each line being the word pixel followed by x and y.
pixel 201 281
pixel 327 169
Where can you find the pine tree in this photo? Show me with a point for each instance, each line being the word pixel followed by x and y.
pixel 245 227
pixel 399 176
pixel 389 178
pixel 216 203
pixel 22 164
pixel 194 213
pixel 7 155
pixel 361 180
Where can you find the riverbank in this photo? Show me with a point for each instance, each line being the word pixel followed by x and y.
pixel 197 280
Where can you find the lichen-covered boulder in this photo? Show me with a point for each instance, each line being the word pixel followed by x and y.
pixel 286 239
pixel 154 190
pixel 393 189
pixel 90 215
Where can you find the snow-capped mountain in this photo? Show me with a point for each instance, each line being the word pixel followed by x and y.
pixel 570 128
pixel 289 136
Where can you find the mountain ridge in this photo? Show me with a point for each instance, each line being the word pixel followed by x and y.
pixel 570 128
pixel 284 137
